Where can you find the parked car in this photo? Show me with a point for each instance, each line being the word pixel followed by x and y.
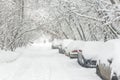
pixel 90 53
pixel 116 61
pixel 73 48
pixel 89 63
pixel 115 72
pixel 64 44
pixel 108 65
pixel 56 44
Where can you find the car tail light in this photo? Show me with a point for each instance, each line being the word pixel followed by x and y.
pixel 80 50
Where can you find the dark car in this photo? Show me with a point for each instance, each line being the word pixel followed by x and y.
pixel 88 63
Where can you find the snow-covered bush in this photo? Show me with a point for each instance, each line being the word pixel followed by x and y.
pixel 8 56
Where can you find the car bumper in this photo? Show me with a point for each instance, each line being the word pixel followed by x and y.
pixel 66 53
pixel 54 47
pixel 73 55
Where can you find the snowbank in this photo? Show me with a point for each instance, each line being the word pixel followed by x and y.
pixel 8 56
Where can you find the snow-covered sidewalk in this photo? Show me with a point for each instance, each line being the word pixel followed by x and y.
pixel 39 62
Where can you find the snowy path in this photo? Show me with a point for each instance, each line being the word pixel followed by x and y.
pixel 41 63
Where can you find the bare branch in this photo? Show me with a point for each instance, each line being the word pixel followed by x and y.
pixel 92 18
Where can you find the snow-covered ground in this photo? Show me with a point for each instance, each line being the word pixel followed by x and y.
pixel 40 62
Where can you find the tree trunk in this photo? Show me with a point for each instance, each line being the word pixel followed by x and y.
pixel 84 38
pixel 79 33
pixel 69 25
pixel 22 10
pixel 20 6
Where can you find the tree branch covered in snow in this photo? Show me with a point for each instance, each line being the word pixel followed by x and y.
pixel 21 20
pixel 89 17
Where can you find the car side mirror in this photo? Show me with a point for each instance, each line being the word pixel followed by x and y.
pixel 110 61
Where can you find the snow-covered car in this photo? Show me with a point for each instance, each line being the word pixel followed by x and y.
pixel 103 71
pixel 56 44
pixel 116 60
pixel 115 72
pixel 73 48
pixel 90 53
pixel 64 44
pixel 108 66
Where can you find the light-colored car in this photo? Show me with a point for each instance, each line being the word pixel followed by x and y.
pixel 73 48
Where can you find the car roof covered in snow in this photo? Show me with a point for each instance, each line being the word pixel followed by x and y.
pixel 56 42
pixel 66 42
pixel 77 44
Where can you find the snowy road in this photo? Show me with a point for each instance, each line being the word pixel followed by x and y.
pixel 43 63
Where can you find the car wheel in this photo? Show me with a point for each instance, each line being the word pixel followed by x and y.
pixel 69 55
pixel 115 77
pixel 81 59
pixel 60 50
pixel 97 70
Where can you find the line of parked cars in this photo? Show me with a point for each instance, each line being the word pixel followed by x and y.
pixel 104 56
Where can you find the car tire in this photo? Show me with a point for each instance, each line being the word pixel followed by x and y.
pixel 98 71
pixel 60 51
pixel 81 60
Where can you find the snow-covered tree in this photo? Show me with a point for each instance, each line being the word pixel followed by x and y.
pixel 15 31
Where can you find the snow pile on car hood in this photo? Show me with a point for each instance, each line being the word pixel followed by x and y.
pixel 107 52
pixel 92 49
pixel 100 51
